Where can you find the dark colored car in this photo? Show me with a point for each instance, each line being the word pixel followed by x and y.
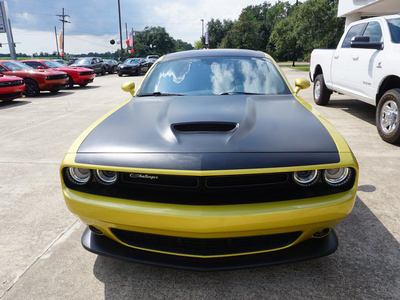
pixel 35 80
pixel 76 75
pixel 111 65
pixel 71 61
pixel 11 87
pixel 134 66
pixel 94 63
pixel 215 163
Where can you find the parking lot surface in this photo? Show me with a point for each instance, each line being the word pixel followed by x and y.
pixel 41 256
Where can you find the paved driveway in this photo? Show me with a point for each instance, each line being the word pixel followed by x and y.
pixel 41 256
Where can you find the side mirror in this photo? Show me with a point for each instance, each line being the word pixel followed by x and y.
pixel 364 43
pixel 301 83
pixel 129 86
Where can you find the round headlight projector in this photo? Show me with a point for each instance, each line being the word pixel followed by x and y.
pixel 79 176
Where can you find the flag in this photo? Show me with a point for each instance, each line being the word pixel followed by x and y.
pixel 207 41
pixel 131 38
pixel 60 41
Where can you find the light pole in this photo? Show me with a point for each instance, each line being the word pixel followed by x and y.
pixel 202 27
pixel 120 29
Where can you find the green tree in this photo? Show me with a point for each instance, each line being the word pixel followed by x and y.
pixel 182 46
pixel 198 45
pixel 153 40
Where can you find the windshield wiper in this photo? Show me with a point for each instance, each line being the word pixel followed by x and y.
pixel 240 93
pixel 159 94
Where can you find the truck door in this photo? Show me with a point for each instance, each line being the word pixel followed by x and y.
pixel 343 66
pixel 368 65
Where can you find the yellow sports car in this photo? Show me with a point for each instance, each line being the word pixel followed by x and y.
pixel 214 163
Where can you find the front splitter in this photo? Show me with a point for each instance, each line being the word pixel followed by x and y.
pixel 310 249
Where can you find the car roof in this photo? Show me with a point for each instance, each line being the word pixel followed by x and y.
pixel 213 53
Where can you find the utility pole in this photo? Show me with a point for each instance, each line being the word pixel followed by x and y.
pixel 120 30
pixel 63 16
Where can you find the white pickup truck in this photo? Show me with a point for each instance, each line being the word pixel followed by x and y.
pixel 365 66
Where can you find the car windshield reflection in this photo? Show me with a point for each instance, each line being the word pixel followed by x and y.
pixel 215 76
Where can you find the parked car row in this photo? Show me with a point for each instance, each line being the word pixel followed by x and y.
pixel 29 77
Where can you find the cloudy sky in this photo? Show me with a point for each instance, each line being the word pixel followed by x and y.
pixel 94 22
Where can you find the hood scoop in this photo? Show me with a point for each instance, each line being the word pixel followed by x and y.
pixel 204 127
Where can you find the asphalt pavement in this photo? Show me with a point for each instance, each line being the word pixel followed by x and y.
pixel 41 256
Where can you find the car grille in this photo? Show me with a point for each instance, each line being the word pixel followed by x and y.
pixel 208 190
pixel 55 77
pixel 11 83
pixel 10 95
pixel 86 73
pixel 206 247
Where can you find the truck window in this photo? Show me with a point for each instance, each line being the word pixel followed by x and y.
pixel 353 31
pixel 374 32
pixel 394 25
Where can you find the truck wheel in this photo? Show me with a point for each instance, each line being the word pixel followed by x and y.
pixel 321 93
pixel 388 118
pixel 31 88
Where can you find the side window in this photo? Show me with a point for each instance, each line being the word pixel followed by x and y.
pixel 374 32
pixel 34 64
pixel 2 69
pixel 353 31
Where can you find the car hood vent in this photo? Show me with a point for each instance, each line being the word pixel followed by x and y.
pixel 202 127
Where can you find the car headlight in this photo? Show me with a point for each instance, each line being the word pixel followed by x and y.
pixel 337 176
pixel 79 176
pixel 106 177
pixel 306 178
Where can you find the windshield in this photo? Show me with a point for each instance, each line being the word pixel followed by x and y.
pixel 16 66
pixel 83 61
pixel 394 26
pixel 53 64
pixel 131 61
pixel 215 76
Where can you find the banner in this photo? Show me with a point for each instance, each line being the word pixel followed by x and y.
pixel 60 41
pixel 207 41
pixel 131 38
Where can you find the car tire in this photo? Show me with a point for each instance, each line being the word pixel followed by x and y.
pixel 119 74
pixel 83 84
pixel 103 71
pixel 321 93
pixel 54 91
pixel 388 117
pixel 111 71
pixel 31 88
pixel 70 83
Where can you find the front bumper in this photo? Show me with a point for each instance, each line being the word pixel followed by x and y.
pixel 310 249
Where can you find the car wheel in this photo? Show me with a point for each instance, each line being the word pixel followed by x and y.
pixel 103 71
pixel 70 83
pixel 321 93
pixel 388 118
pixel 111 71
pixel 83 85
pixel 119 74
pixel 31 88
pixel 54 91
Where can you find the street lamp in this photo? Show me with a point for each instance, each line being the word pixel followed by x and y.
pixel 120 30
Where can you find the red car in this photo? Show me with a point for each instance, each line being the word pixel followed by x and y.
pixel 11 87
pixel 76 75
pixel 35 80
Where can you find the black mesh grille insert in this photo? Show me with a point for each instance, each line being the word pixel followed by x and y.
pixel 206 247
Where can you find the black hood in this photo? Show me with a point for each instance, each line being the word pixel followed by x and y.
pixel 210 126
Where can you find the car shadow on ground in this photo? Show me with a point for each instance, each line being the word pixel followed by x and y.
pixel 14 103
pixel 366 266
pixel 359 109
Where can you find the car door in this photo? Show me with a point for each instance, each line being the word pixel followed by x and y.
pixel 368 63
pixel 343 66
